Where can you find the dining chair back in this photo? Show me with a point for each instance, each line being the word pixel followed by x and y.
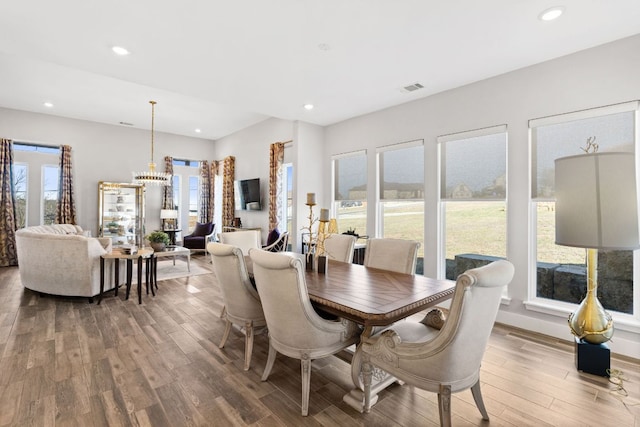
pixel 244 239
pixel 278 245
pixel 445 360
pixel 397 255
pixel 242 303
pixel 295 329
pixel 340 247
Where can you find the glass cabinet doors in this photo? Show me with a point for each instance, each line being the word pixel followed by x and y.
pixel 121 212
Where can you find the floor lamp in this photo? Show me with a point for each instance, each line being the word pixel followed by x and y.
pixel 596 208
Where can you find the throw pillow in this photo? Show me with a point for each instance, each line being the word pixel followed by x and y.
pixel 273 236
pixel 202 229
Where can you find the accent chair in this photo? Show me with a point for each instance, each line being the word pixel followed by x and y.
pixel 447 360
pixel 202 234
pixel 397 255
pixel 340 247
pixel 295 329
pixel 242 302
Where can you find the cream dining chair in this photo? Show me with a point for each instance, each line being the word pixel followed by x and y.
pixel 295 329
pixel 245 239
pixel 242 303
pixel 397 255
pixel 448 360
pixel 340 247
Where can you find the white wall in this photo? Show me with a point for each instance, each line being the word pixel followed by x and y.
pixel 250 147
pixel 103 153
pixel 600 76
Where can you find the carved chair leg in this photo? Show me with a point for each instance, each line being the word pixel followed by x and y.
pixel 225 335
pixel 271 358
pixel 223 312
pixel 248 344
pixel 444 405
pixel 367 372
pixel 477 397
pixel 305 368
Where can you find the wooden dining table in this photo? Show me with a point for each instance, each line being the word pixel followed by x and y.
pixel 372 297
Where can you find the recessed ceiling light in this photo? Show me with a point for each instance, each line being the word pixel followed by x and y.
pixel 198 131
pixel 308 106
pixel 551 13
pixel 324 46
pixel 119 50
pixel 48 104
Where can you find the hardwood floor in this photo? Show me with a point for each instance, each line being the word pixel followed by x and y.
pixel 66 362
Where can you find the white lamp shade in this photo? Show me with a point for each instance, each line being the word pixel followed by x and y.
pixel 596 201
pixel 168 214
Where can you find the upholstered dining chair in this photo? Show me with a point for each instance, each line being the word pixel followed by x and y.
pixel 340 247
pixel 242 303
pixel 295 329
pixel 397 255
pixel 202 234
pixel 447 360
pixel 244 239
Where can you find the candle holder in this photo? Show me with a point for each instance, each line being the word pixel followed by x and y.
pixel 310 250
pixel 320 249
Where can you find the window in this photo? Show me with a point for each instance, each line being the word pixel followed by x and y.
pixel 20 188
pixel 287 195
pixel 350 191
pixel 35 183
pixel 473 192
pixel 50 175
pixel 183 180
pixel 194 197
pixel 401 192
pixel 560 273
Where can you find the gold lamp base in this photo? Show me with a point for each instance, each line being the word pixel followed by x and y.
pixel 590 322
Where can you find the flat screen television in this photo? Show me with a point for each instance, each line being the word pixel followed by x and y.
pixel 248 194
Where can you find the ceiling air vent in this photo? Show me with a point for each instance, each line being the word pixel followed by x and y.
pixel 412 87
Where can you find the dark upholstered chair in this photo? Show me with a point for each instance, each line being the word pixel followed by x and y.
pixel 202 234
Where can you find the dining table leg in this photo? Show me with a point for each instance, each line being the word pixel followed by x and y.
pixel 380 379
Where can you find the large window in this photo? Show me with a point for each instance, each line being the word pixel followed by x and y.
pixel 186 193
pixel 35 183
pixel 194 197
pixel 20 188
pixel 473 194
pixel 50 175
pixel 401 186
pixel 560 273
pixel 350 191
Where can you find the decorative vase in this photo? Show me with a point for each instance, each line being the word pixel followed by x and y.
pixel 323 264
pixel 157 246
pixel 309 261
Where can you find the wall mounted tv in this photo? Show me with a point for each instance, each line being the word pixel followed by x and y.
pixel 248 194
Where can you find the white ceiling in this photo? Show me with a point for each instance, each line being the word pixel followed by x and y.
pixel 224 65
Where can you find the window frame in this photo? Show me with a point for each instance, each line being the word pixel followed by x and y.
pixel 623 321
pixel 334 201
pixel 443 200
pixel 380 200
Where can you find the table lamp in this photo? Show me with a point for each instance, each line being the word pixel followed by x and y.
pixel 168 217
pixel 596 208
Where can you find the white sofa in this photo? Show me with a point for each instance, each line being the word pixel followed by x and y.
pixel 58 259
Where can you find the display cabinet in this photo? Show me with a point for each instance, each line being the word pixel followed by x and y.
pixel 121 212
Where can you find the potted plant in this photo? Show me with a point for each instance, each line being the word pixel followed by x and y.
pixel 158 240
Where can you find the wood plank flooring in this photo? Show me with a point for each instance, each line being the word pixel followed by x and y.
pixel 65 362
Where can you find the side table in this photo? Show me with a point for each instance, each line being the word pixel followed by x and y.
pixel 117 255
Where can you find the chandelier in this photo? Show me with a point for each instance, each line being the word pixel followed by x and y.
pixel 151 176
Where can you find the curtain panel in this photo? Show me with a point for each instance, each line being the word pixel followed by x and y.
pixel 206 213
pixel 167 190
pixel 228 196
pixel 66 207
pixel 8 253
pixel 213 172
pixel 276 161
